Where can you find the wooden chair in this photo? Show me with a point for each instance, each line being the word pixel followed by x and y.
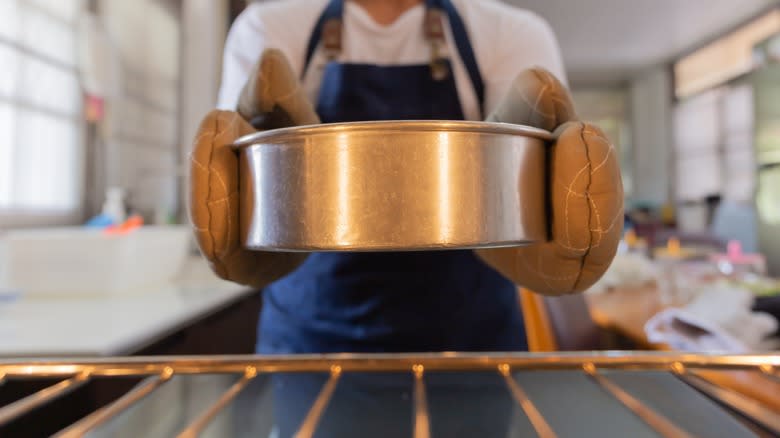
pixel 558 323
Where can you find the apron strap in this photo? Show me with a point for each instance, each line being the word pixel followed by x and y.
pixel 461 37
pixel 335 10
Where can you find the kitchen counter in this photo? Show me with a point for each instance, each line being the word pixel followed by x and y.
pixel 113 325
pixel 626 310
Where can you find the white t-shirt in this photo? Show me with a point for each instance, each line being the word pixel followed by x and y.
pixel 505 40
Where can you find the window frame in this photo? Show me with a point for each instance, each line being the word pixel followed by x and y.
pixel 15 217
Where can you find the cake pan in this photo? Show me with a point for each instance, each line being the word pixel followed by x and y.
pixel 393 186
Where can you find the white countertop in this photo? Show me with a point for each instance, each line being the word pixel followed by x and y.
pixel 112 325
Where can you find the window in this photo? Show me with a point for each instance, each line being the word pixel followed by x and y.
pixel 41 145
pixel 714 145
pixel 724 59
pixel 607 108
pixel 697 140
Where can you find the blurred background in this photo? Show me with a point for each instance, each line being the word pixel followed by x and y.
pixel 100 99
pixel 98 94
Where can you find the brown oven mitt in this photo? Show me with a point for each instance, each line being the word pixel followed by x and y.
pixel 272 98
pixel 585 193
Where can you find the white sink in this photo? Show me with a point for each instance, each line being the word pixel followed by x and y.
pixel 82 261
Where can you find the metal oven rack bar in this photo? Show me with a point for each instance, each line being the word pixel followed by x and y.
pixel 159 370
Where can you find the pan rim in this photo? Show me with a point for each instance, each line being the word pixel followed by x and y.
pixel 285 135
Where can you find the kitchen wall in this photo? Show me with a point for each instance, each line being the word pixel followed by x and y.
pixel 636 115
pixel 168 56
pixel 140 136
pixel 205 26
pixel 767 85
pixel 650 97
pixel 608 108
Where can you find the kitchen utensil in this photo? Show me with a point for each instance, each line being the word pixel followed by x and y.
pixel 392 185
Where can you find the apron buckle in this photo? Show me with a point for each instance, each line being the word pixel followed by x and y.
pixel 434 33
pixel 331 38
pixel 440 69
pixel 434 24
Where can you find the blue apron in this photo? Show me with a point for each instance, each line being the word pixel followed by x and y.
pixel 392 301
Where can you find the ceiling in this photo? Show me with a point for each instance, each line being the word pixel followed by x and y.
pixel 604 41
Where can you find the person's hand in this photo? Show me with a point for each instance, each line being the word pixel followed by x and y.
pixel 272 98
pixel 585 193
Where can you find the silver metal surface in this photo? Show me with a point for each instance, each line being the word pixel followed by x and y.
pixel 95 419
pixel 422 422
pixel 658 422
pixel 196 427
pixel 21 407
pixel 412 185
pixel 741 403
pixel 536 418
pixel 309 424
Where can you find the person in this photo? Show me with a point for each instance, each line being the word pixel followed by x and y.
pixel 297 62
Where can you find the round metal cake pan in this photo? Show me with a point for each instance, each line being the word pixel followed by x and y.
pixel 393 185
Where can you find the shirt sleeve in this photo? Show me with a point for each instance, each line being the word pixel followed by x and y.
pixel 525 40
pixel 245 42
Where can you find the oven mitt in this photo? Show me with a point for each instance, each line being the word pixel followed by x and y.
pixel 585 193
pixel 272 98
